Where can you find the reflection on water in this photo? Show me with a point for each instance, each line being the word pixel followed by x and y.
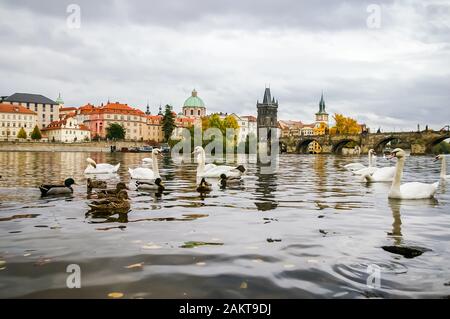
pixel 310 229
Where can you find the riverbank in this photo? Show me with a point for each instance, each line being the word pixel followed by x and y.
pixel 101 146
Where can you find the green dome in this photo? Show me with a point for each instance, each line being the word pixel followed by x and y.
pixel 194 101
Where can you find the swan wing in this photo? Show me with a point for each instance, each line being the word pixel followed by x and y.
pixel 212 170
pixel 365 171
pixel 384 174
pixel 141 173
pixel 416 190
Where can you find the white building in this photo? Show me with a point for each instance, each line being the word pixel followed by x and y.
pixel 47 110
pixel 13 118
pixel 67 130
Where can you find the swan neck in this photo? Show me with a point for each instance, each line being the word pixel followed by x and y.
pixel 398 175
pixel 370 159
pixel 201 161
pixel 155 166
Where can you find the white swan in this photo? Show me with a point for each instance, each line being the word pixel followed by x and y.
pixel 144 173
pixel 383 174
pixel 358 166
pixel 212 170
pixel 443 167
pixel 413 190
pixel 367 170
pixel 94 168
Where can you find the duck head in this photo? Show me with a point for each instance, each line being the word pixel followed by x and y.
pixel 122 195
pixel 121 186
pixel 69 182
pixel 159 182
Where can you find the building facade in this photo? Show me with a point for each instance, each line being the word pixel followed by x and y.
pixel 154 131
pixel 13 118
pixel 194 106
pixel 67 130
pixel 46 109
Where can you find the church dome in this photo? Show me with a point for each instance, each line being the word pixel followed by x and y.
pixel 194 101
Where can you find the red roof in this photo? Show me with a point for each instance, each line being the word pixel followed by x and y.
pixel 9 108
pixel 250 118
pixel 66 109
pixel 56 125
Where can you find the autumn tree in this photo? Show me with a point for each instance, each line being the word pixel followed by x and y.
pixel 344 125
pixel 22 133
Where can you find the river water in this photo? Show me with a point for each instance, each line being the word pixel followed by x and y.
pixel 309 230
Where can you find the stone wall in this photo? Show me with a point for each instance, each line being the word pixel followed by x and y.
pixel 65 147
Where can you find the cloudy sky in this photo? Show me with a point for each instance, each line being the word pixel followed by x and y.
pixel 392 72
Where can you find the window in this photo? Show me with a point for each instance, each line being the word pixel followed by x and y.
pixel 199 112
pixel 192 112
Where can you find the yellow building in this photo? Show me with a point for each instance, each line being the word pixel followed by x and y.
pixel 13 118
pixel 314 148
pixel 154 132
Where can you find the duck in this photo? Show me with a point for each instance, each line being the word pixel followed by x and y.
pixel 225 181
pixel 51 189
pixel 443 175
pixel 212 170
pixel 103 168
pixel 358 166
pixel 112 204
pixel 204 186
pixel 144 173
pixel 91 184
pixel 414 190
pixel 103 193
pixel 367 170
pixel 157 185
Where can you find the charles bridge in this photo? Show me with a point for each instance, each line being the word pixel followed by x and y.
pixel 419 142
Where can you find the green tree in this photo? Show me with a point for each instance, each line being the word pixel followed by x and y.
pixel 36 134
pixel 115 131
pixel 22 133
pixel 168 123
pixel 442 148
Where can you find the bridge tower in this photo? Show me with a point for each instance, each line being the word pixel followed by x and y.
pixel 322 115
pixel 267 117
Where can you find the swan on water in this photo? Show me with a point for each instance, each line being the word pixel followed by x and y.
pixel 358 166
pixel 103 168
pixel 414 190
pixel 367 170
pixel 144 173
pixel 212 170
pixel 443 167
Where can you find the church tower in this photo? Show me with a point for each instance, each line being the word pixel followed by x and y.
pixel 322 115
pixel 267 114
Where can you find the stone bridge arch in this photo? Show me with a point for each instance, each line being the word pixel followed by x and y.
pixel 436 140
pixel 381 144
pixel 302 145
pixel 337 146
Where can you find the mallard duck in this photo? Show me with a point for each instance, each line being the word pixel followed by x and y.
pixel 49 189
pixel 112 204
pixel 112 191
pixel 229 180
pixel 157 185
pixel 91 184
pixel 204 186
